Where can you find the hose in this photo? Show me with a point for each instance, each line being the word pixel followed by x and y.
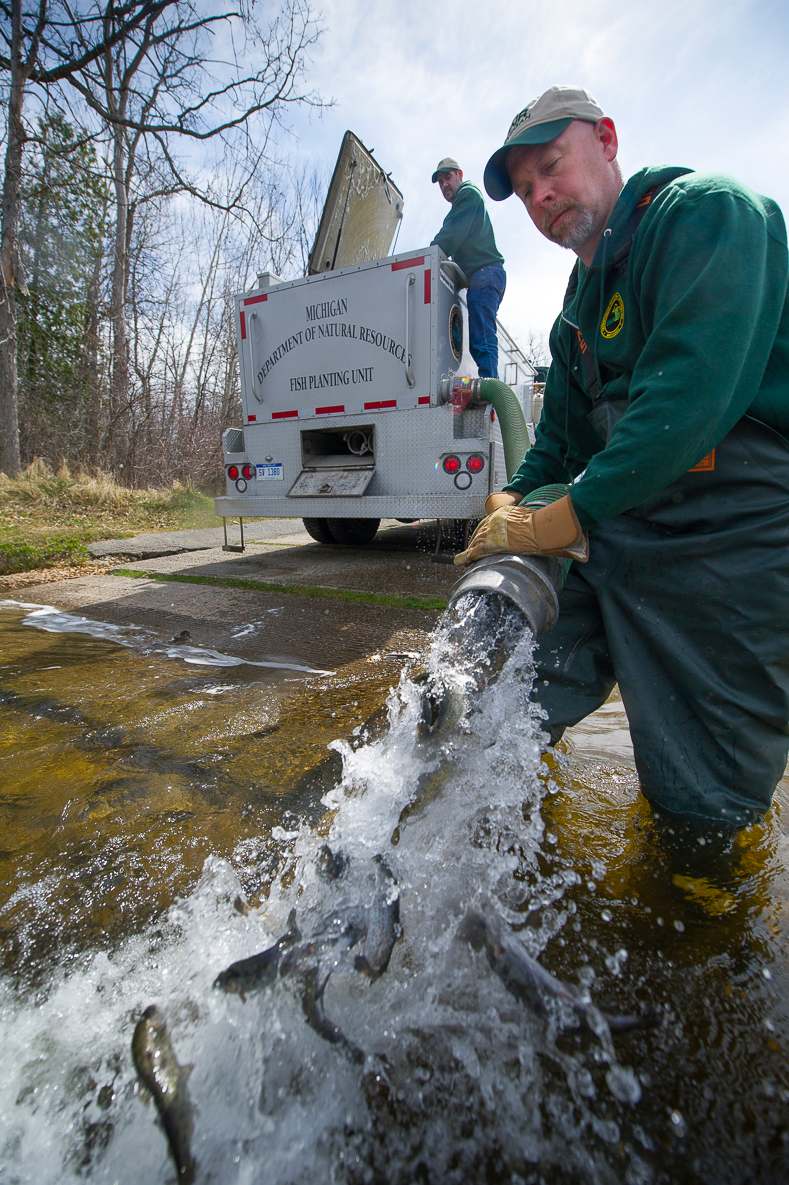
pixel 512 421
pixel 514 434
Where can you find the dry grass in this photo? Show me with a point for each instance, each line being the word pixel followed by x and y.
pixel 47 518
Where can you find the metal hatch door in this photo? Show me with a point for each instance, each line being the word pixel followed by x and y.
pixel 361 214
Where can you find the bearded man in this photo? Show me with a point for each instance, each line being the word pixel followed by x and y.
pixel 667 408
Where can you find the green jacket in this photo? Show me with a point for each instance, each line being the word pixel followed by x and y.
pixel 693 330
pixel 466 234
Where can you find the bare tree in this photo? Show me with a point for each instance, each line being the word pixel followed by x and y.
pixel 159 88
pixel 48 42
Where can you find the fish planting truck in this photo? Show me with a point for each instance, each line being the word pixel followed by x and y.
pixel 347 377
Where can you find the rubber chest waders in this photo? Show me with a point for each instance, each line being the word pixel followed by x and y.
pixel 685 604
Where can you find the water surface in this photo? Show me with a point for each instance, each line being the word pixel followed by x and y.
pixel 161 812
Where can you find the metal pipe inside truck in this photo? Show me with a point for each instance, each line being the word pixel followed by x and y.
pixel 347 377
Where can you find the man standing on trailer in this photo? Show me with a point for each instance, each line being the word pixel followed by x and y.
pixel 667 406
pixel 467 237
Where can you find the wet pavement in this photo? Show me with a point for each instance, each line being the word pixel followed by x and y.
pixel 312 621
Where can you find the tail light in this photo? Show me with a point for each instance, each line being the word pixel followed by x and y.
pixel 232 472
pixel 451 464
pixel 248 472
pixel 475 463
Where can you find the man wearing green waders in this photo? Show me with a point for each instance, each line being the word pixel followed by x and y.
pixel 667 407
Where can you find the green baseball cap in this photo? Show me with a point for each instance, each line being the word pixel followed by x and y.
pixel 445 166
pixel 541 120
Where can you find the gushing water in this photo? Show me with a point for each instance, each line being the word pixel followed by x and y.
pixel 458 1081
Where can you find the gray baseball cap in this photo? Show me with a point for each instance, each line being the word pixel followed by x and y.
pixel 445 166
pixel 541 120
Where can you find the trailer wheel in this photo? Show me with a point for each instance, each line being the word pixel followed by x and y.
pixel 318 529
pixel 354 532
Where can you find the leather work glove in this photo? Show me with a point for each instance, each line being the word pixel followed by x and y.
pixel 551 530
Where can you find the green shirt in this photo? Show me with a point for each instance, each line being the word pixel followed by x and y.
pixel 694 333
pixel 466 234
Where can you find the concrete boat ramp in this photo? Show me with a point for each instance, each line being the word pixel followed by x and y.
pixel 286 596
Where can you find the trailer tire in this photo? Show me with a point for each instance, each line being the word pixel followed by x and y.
pixel 353 532
pixel 318 529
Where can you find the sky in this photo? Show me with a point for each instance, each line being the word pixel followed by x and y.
pixel 702 83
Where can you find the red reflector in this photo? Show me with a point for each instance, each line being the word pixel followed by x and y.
pixel 327 411
pixel 380 404
pixel 425 399
pixel 283 415
pixel 232 472
pixel 492 416
pixel 243 326
pixel 451 464
pixel 475 463
pixel 427 286
pixel 248 472
pixel 252 419
pixel 255 299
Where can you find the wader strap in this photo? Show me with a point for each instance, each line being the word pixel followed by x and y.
pixel 639 210
pixel 603 423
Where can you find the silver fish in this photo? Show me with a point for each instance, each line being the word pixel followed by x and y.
pixel 528 981
pixel 383 923
pixel 258 971
pixel 442 709
pixel 312 1003
pixel 161 1074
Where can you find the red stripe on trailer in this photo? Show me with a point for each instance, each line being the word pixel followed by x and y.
pixel 398 267
pixel 252 419
pixel 243 326
pixel 327 411
pixel 423 399
pixel 427 285
pixel 256 299
pixel 380 404
pixel 284 415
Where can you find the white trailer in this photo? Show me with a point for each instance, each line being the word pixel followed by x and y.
pixel 341 376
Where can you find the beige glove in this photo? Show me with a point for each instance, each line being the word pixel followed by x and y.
pixel 551 530
pixel 494 501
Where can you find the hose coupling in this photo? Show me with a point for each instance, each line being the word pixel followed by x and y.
pixel 459 392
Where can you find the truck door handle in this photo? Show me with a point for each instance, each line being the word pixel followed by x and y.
pixel 254 317
pixel 409 361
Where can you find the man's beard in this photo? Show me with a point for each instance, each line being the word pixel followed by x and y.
pixel 574 231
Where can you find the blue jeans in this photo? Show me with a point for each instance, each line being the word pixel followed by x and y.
pixel 485 290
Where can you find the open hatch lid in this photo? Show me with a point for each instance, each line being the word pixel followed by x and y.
pixel 362 210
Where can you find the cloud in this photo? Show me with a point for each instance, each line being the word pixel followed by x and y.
pixel 701 84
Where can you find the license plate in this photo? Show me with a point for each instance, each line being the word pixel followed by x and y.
pixel 269 472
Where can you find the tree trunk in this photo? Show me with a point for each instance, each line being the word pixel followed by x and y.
pixel 11 271
pixel 117 441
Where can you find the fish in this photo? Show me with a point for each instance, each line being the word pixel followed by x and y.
pixel 330 866
pixel 310 962
pixel 442 708
pixel 258 971
pixel 383 923
pixel 529 982
pixel 339 932
pixel 159 1071
pixel 312 1003
pixel 481 631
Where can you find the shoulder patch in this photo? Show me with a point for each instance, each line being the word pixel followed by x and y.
pixel 614 316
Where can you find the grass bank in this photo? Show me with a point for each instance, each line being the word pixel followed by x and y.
pixel 47 518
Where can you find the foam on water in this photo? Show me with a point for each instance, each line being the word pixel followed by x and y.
pixel 56 621
pixel 460 1081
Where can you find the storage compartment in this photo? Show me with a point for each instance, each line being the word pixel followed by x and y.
pixel 333 449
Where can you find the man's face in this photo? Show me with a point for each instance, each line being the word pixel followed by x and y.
pixel 570 185
pixel 449 183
